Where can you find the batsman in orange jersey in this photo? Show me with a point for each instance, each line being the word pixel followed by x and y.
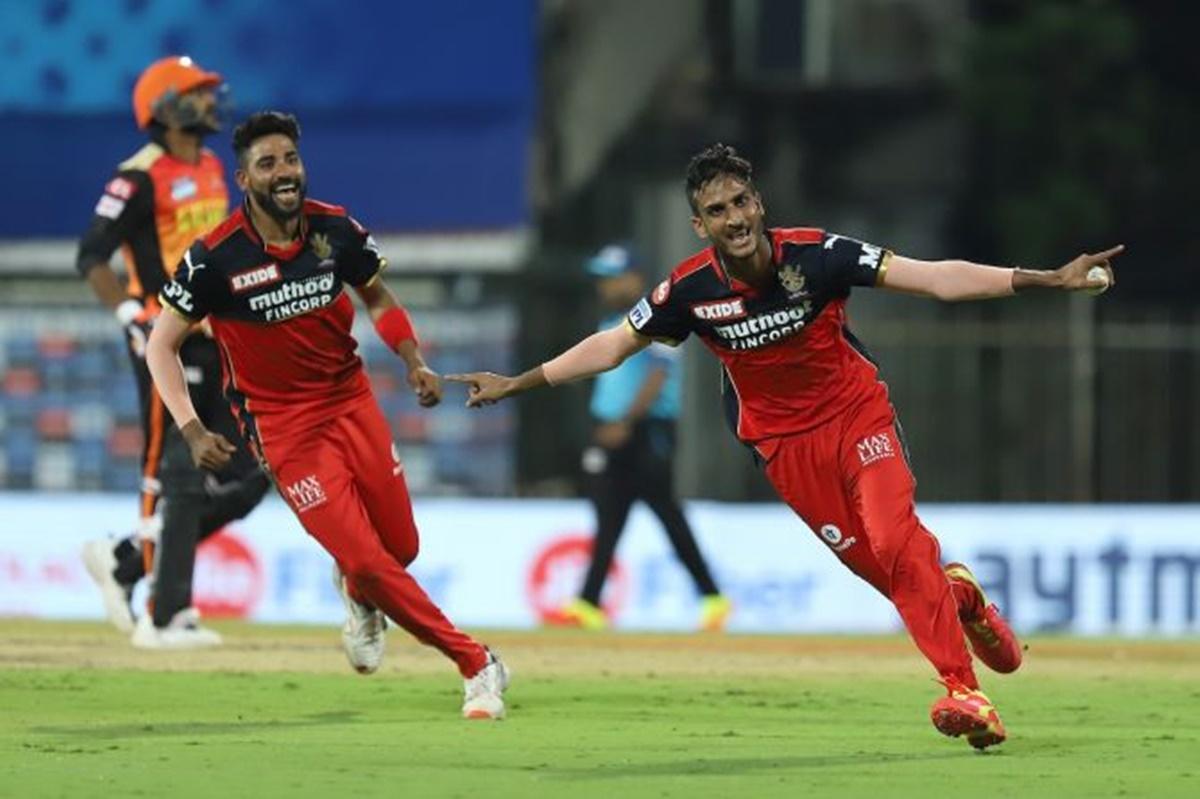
pixel 162 198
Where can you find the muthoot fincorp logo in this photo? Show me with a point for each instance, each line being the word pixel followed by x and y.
pixel 765 328
pixel 295 297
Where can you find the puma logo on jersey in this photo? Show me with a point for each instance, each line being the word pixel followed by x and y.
pixel 192 268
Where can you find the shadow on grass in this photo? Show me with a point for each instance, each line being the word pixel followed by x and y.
pixel 729 766
pixel 196 728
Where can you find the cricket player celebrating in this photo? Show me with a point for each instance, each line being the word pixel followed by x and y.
pixel 802 393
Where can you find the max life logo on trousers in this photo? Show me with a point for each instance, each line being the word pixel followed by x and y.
pixel 306 494
pixel 875 448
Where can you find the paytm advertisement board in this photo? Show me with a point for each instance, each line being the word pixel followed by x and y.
pixel 1094 570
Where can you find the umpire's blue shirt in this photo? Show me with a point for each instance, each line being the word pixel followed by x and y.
pixel 616 389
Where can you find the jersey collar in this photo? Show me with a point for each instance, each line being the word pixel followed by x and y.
pixel 285 253
pixel 738 285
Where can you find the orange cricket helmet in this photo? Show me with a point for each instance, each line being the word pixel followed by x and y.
pixel 167 77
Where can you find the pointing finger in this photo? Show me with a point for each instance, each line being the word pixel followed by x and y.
pixel 1109 253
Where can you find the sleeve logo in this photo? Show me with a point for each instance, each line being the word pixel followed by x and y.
pixel 192 268
pixel 109 207
pixel 870 256
pixel 179 296
pixel 661 292
pixel 640 314
pixel 120 188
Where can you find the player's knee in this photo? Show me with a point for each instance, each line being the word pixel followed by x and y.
pixel 407 552
pixel 182 485
pixel 360 571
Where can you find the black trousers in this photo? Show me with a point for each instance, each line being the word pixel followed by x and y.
pixel 641 469
pixel 194 503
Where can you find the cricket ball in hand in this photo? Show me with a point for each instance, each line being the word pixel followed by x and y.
pixel 1097 275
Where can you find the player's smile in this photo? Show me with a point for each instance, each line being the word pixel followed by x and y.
pixel 730 215
pixel 286 191
pixel 741 241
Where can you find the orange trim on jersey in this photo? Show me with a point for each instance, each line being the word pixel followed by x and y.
pixel 793 235
pixel 134 286
pixel 153 450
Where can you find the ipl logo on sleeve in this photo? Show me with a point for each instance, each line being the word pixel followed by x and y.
pixel 640 314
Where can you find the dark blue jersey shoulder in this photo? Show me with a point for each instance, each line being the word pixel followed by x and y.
pixel 810 269
pixel 232 274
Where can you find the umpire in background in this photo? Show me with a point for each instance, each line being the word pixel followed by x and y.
pixel 634 408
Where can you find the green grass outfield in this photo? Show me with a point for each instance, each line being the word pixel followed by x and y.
pixel 276 712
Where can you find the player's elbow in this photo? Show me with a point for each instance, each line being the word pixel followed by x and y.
pixel 944 293
pixel 615 360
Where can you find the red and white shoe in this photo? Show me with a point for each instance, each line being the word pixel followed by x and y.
pixel 967 711
pixel 991 639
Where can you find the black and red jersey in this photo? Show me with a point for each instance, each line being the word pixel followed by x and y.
pixel 280 315
pixel 153 208
pixel 790 361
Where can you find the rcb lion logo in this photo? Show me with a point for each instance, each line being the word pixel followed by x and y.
pixel 321 246
pixel 792 280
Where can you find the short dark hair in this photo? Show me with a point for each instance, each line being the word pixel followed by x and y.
pixel 713 161
pixel 263 123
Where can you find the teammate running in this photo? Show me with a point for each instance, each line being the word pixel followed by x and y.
pixel 164 196
pixel 270 279
pixel 802 393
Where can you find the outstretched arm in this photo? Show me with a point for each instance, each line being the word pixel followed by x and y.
pixel 597 353
pixel 963 280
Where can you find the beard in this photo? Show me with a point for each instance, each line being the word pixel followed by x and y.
pixel 204 127
pixel 196 119
pixel 266 199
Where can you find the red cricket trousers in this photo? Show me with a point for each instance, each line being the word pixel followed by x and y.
pixel 850 482
pixel 345 483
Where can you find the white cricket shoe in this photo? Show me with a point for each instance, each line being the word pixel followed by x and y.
pixel 99 560
pixel 483 694
pixel 182 632
pixel 363 632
